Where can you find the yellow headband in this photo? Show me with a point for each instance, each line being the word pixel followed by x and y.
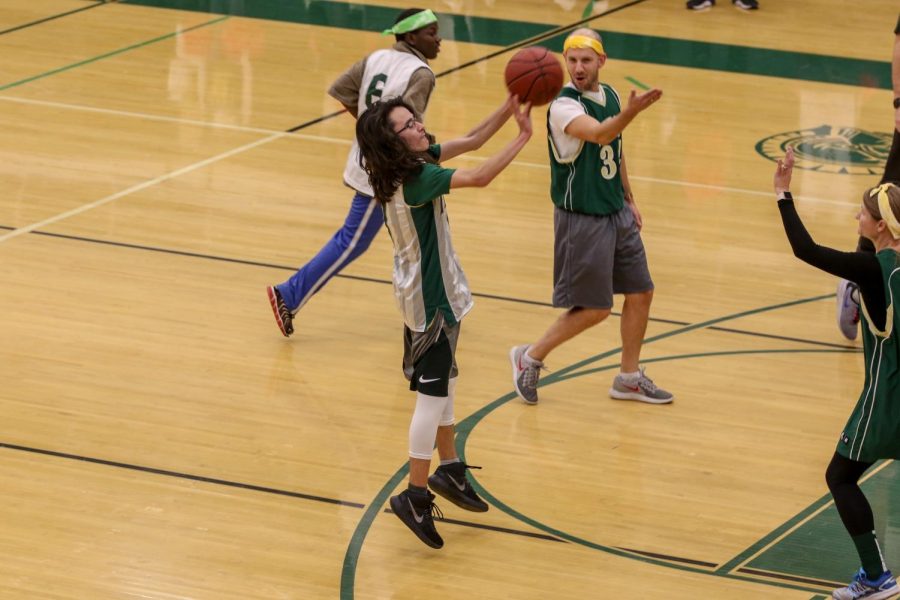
pixel 583 41
pixel 884 206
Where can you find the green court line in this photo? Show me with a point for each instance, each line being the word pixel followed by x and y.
pixel 348 570
pixel 774 535
pixel 109 54
pixel 637 83
pixel 705 354
pixel 792 523
pixel 621 46
pixel 559 373
pixel 465 427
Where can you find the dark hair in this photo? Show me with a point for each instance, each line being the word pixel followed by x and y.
pixel 399 37
pixel 383 155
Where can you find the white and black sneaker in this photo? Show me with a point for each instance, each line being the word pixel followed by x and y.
pixel 700 4
pixel 450 482
pixel 417 512
pixel 746 4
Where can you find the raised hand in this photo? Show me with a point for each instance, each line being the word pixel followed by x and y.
pixel 638 102
pixel 522 114
pixel 783 171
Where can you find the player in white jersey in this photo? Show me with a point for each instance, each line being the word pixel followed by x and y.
pixel 430 286
pixel 398 71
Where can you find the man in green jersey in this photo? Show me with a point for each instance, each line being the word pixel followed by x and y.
pixel 598 247
pixel 430 286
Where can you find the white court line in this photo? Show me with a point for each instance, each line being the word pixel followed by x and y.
pixel 140 186
pixel 161 118
pixel 345 142
pixel 271 135
pixel 690 184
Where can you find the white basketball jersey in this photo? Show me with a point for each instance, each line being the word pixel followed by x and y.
pixel 386 74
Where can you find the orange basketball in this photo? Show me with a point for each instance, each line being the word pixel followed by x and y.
pixel 534 75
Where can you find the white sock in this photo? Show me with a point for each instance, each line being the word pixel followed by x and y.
pixel 530 360
pixel 630 376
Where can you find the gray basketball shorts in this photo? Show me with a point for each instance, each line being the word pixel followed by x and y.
pixel 429 357
pixel 595 257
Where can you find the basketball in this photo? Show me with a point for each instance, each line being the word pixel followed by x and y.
pixel 534 75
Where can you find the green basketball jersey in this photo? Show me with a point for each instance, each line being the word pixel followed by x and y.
pixel 591 182
pixel 873 431
pixel 428 278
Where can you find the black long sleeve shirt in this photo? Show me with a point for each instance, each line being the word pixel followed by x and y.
pixel 861 268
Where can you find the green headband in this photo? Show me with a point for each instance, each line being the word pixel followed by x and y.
pixel 412 23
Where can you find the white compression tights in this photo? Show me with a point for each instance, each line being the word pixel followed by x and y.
pixel 430 412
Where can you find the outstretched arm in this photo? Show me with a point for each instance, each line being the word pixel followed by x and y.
pixel 481 133
pixel 859 267
pixel 892 165
pixel 485 173
pixel 589 129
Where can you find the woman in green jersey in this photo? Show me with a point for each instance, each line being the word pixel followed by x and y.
pixel 873 430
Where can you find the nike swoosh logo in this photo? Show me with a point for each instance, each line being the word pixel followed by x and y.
pixel 461 488
pixel 423 380
pixel 419 518
pixel 633 388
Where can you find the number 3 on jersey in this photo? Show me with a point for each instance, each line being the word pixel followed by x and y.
pixel 376 88
pixel 609 168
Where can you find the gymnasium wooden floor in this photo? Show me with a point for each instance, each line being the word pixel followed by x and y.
pixel 165 160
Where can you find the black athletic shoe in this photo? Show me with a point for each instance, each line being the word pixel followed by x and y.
pixel 283 316
pixel 746 4
pixel 450 482
pixel 700 4
pixel 418 514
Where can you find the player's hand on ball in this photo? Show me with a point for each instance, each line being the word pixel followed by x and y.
pixel 512 101
pixel 522 114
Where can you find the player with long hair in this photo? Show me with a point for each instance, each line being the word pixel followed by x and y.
pixel 429 284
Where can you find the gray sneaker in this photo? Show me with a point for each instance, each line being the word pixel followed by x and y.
pixel 525 375
pixel 643 390
pixel 848 308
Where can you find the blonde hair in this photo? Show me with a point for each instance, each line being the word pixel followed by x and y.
pixel 870 201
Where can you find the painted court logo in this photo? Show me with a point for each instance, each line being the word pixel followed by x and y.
pixel 846 150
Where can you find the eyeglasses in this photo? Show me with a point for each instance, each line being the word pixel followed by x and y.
pixel 411 124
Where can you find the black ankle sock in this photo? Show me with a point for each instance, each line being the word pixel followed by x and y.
pixel 457 468
pixel 416 490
